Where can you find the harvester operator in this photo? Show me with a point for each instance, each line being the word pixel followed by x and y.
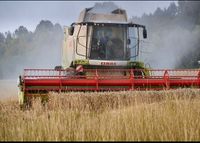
pixel 111 45
pixel 107 46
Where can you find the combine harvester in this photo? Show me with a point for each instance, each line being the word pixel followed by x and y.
pixel 101 53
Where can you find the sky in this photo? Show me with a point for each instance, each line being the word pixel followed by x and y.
pixel 29 13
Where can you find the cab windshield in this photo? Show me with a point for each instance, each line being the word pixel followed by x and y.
pixel 109 43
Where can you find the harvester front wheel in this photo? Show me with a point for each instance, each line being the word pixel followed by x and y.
pixel 25 102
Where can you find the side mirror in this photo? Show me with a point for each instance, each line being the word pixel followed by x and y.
pixel 71 30
pixel 128 41
pixel 144 33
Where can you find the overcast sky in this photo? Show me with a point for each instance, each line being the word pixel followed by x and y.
pixel 29 13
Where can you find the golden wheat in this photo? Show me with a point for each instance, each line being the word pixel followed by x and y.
pixel 107 116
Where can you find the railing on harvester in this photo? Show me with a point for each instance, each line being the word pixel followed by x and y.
pixel 38 80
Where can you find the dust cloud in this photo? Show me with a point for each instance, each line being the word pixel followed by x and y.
pixel 173 36
pixel 8 89
pixel 167 49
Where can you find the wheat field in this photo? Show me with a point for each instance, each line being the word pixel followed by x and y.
pixel 172 115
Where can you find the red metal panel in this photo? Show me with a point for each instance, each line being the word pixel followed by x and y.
pixel 158 79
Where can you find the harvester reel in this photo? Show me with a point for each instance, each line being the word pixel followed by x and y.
pixel 34 84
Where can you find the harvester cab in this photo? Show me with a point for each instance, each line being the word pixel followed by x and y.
pixel 100 40
pixel 101 52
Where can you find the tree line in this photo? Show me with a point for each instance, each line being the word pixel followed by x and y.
pixel 25 49
pixel 174 35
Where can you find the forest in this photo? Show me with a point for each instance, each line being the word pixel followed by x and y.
pixel 25 49
pixel 173 41
pixel 173 35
